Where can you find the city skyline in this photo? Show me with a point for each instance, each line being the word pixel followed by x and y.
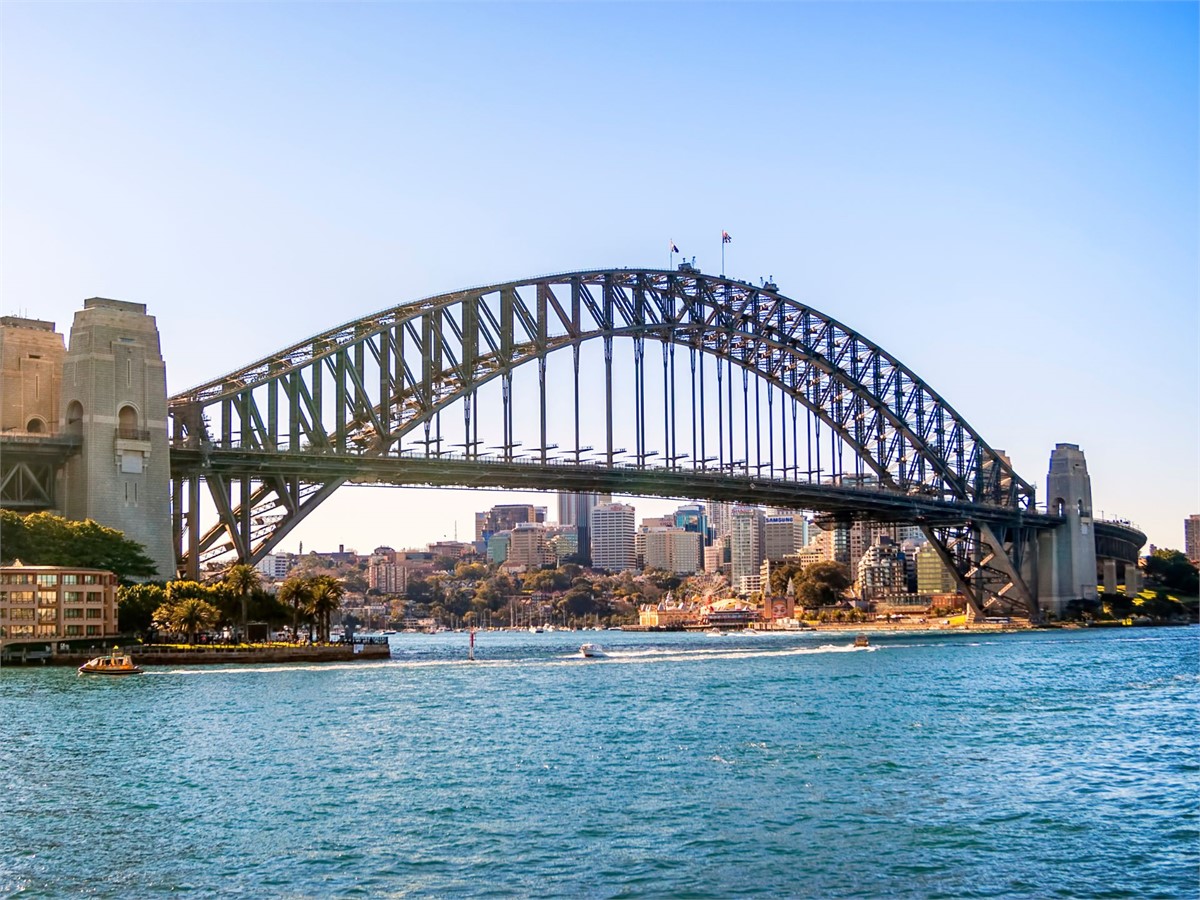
pixel 1023 211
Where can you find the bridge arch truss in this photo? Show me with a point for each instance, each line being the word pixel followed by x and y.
pixel 603 377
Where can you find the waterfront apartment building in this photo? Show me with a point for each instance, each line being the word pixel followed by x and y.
pixel 612 537
pixel 56 603
pixel 1191 537
pixel 882 571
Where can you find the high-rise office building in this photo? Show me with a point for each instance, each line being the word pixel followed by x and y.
pixel 671 549
pixel 694 517
pixel 779 537
pixel 506 517
pixel 1191 537
pixel 527 547
pixel 719 519
pixel 612 537
pixel 576 509
pixel 932 575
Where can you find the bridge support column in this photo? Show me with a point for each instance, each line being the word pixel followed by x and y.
pixel 1110 577
pixel 1133 580
pixel 991 567
pixel 1067 555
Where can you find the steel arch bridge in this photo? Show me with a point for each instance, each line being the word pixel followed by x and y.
pixel 645 382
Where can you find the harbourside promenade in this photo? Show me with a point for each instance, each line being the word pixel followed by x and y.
pixel 175 655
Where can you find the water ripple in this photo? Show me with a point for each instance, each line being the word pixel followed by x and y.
pixel 1029 765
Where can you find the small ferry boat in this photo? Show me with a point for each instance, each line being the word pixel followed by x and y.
pixel 591 651
pixel 861 641
pixel 113 664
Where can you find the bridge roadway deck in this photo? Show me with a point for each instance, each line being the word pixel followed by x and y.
pixel 879 504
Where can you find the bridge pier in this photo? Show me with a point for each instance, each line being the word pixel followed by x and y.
pixel 1110 577
pixel 1067 555
pixel 114 399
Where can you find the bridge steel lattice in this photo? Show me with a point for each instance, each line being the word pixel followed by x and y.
pixel 703 388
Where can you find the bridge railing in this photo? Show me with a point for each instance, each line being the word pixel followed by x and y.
pixel 35 438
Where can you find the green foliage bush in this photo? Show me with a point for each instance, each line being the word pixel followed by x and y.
pixel 43 539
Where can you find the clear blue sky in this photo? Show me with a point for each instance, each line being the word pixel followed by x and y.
pixel 1004 196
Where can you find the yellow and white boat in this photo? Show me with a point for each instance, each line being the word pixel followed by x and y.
pixel 113 664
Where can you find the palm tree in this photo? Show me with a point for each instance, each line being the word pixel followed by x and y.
pixel 325 597
pixel 242 579
pixel 191 615
pixel 296 593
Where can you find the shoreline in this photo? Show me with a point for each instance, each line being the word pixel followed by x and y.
pixel 174 656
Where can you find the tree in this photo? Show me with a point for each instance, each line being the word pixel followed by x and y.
pixel 136 604
pixel 295 592
pixel 822 584
pixel 496 590
pixel 325 597
pixel 241 579
pixel 1173 570
pixel 471 571
pixel 662 579
pixel 44 539
pixel 188 616
pixel 783 573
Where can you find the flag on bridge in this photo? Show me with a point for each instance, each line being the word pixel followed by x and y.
pixel 674 249
pixel 725 238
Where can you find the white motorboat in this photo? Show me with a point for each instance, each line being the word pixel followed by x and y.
pixel 591 651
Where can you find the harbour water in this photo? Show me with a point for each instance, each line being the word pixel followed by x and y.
pixel 1044 764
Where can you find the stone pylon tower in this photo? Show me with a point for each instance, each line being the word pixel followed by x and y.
pixel 114 396
pixel 1067 555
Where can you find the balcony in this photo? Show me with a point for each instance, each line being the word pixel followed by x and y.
pixel 125 433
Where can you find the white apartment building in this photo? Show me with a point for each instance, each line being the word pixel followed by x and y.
pixel 612 537
pixel 275 565
pixel 745 547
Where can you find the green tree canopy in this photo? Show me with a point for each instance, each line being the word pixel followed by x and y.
pixel 822 584
pixel 1172 569
pixel 44 539
pixel 783 573
pixel 188 615
pixel 136 604
pixel 296 593
pixel 241 580
pixel 325 597
pixel 472 571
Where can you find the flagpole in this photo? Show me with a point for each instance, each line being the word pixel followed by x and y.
pixel 722 254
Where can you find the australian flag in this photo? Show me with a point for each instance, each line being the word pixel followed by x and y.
pixel 674 249
pixel 725 238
